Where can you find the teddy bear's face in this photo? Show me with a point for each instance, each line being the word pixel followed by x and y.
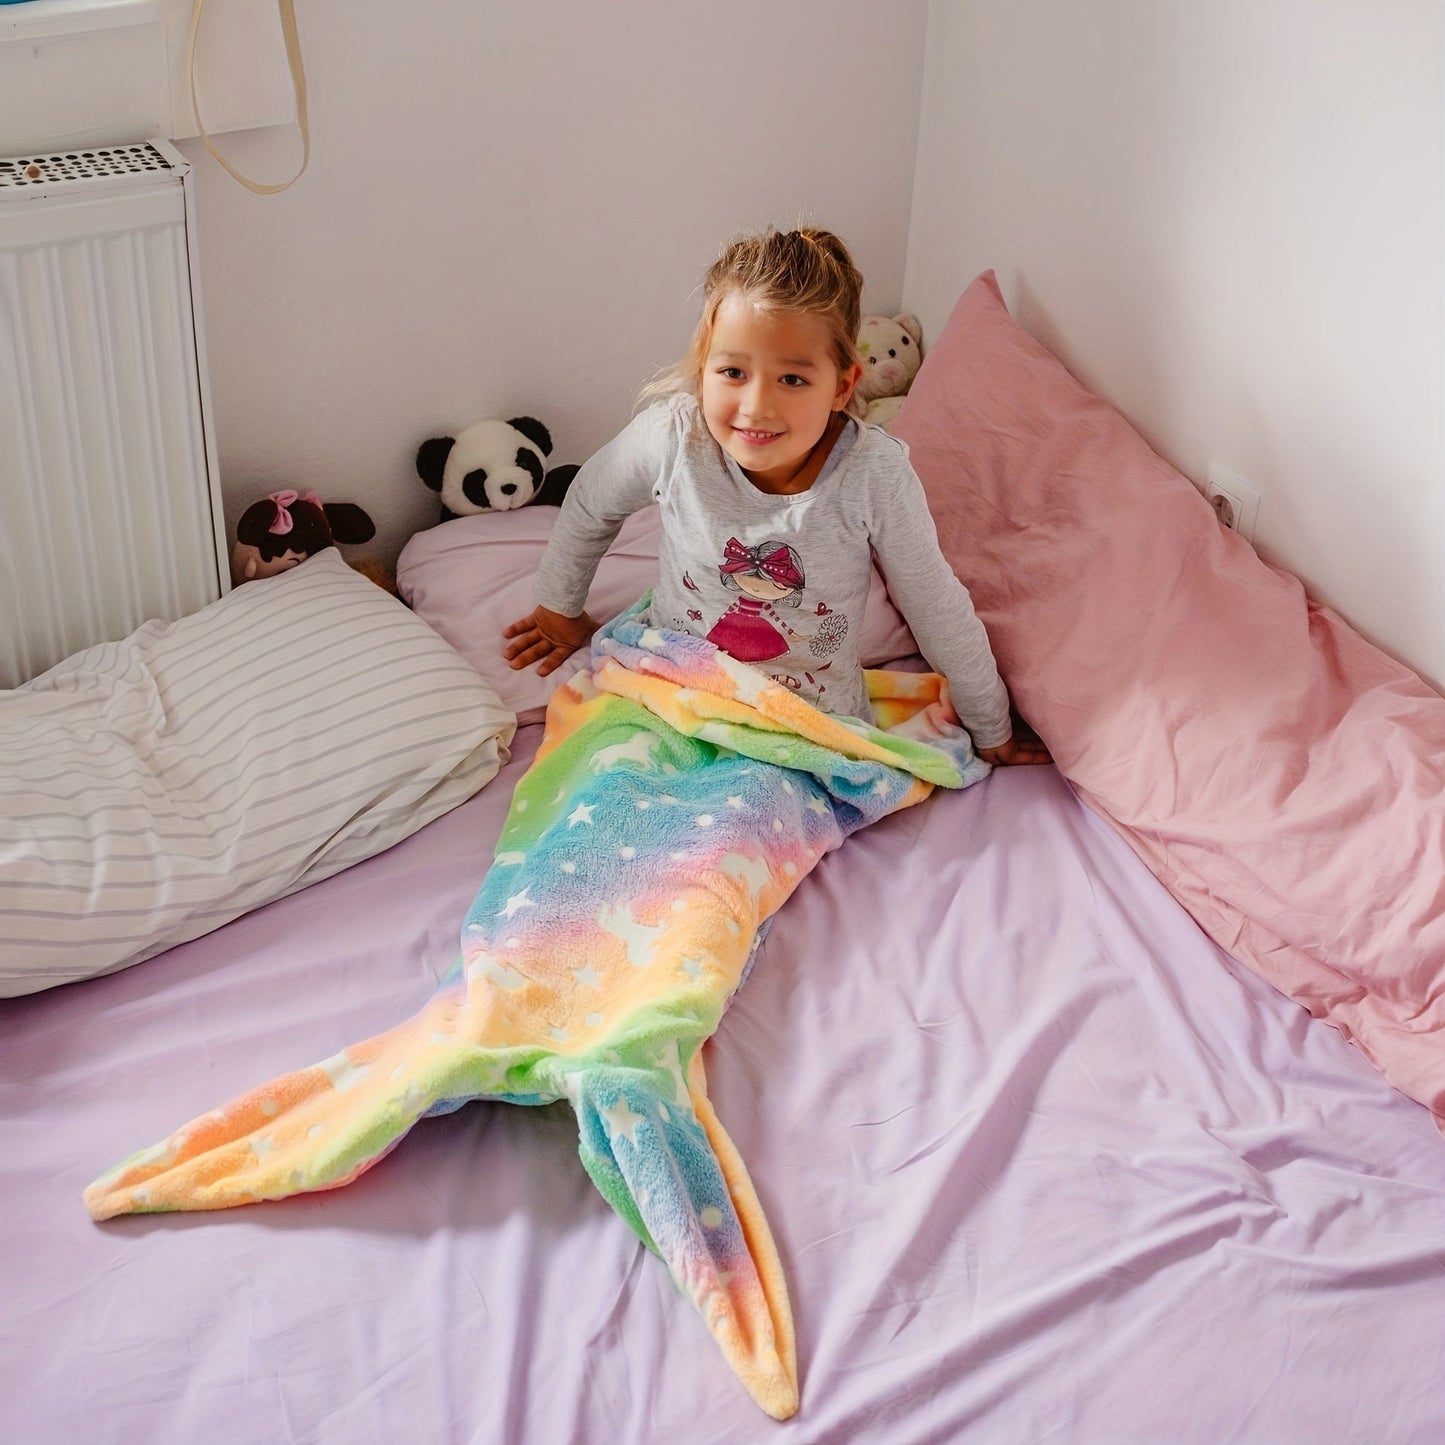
pixel 491 467
pixel 891 355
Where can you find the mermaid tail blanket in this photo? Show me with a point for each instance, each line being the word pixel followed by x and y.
pixel 677 798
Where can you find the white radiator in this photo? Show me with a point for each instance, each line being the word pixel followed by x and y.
pixel 110 509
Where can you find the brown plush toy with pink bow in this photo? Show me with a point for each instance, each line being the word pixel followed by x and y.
pixel 284 529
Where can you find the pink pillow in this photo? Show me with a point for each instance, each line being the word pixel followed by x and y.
pixel 470 577
pixel 1283 777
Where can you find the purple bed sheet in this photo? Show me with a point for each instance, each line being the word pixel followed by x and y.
pixel 1041 1161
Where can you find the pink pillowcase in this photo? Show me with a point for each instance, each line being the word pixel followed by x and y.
pixel 1283 777
pixel 470 577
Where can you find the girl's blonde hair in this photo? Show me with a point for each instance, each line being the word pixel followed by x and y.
pixel 805 272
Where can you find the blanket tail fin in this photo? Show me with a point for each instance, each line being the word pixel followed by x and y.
pixel 656 1159
pixel 754 1223
pixel 317 1128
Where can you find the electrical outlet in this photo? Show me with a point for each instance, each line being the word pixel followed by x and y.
pixel 1234 499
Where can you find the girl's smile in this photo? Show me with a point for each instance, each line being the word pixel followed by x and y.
pixel 770 386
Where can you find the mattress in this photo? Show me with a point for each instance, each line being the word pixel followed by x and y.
pixel 1042 1162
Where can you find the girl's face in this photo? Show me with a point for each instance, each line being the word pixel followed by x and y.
pixel 770 384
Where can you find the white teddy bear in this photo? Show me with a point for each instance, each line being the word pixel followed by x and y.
pixel 892 352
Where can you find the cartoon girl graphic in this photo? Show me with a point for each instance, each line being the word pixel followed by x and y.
pixel 751 630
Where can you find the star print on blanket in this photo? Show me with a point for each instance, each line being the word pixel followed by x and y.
pixel 677 799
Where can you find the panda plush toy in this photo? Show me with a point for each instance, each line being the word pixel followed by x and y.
pixel 493 466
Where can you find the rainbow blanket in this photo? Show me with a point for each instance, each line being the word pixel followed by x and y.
pixel 676 800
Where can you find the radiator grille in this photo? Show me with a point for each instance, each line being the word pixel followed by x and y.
pixel 66 170
pixel 108 513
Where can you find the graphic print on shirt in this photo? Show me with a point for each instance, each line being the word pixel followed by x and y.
pixel 768 576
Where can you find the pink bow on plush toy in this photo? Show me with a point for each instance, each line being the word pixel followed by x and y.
pixel 284 521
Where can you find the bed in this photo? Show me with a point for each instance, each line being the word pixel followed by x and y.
pixel 1025 1077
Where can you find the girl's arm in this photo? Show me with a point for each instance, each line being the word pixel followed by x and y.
pixel 611 485
pixel 547 638
pixel 1015 751
pixel 940 614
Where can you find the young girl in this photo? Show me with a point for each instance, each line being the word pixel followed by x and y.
pixel 773 496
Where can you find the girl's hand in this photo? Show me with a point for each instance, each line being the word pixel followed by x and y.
pixel 546 638
pixel 1016 751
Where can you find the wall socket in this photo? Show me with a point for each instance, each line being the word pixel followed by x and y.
pixel 1234 499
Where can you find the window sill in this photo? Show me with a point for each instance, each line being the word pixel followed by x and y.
pixel 108 72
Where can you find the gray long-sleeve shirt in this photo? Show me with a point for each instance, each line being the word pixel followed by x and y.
pixel 779 581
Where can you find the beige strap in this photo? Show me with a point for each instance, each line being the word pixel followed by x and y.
pixel 298 84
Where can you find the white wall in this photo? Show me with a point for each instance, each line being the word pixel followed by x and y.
pixel 509 208
pixel 1228 219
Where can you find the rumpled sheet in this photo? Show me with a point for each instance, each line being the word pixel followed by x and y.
pixel 677 800
pixel 1041 1163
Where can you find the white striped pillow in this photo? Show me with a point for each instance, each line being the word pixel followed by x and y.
pixel 155 788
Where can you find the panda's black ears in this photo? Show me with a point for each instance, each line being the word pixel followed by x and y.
pixel 431 460
pixel 535 433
